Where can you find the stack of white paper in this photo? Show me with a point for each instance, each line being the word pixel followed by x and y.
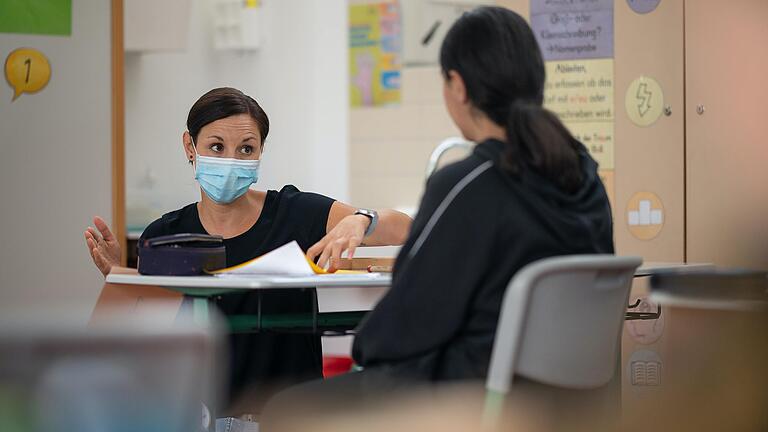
pixel 287 260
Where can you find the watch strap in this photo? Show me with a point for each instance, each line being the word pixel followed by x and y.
pixel 373 216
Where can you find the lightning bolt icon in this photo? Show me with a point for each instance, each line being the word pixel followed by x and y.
pixel 644 96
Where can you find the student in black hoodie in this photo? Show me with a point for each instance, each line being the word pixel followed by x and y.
pixel 528 191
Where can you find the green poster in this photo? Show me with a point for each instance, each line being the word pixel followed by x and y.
pixel 50 17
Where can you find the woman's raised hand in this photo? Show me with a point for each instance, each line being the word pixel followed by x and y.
pixel 103 246
pixel 347 235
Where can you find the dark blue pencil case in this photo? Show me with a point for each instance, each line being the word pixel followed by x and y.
pixel 182 255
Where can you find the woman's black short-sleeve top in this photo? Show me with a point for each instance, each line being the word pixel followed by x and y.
pixel 263 363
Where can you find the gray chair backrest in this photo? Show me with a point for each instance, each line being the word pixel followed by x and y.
pixel 560 322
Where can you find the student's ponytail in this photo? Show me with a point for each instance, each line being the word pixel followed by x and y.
pixel 494 51
pixel 538 139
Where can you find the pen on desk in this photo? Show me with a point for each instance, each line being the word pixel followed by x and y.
pixel 379 269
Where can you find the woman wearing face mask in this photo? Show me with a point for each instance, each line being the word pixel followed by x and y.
pixel 224 141
pixel 528 191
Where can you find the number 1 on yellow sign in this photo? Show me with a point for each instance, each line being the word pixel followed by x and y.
pixel 27 70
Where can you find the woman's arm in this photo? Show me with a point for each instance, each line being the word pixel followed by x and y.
pixel 345 231
pixel 392 228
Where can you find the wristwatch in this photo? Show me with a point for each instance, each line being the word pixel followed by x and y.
pixel 372 215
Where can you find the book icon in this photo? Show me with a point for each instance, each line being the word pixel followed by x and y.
pixel 644 369
pixel 645 373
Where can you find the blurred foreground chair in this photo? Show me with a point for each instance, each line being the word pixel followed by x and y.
pixel 560 325
pixel 127 373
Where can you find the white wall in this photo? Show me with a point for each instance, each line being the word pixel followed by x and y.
pixel 299 76
pixel 55 166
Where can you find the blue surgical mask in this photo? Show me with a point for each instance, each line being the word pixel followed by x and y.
pixel 223 179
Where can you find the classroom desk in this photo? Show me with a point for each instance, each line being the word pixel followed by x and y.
pixel 206 286
pixel 200 290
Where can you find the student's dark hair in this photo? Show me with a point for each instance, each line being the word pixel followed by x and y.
pixel 224 102
pixel 497 56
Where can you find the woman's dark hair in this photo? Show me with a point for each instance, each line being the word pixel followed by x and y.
pixel 223 102
pixel 497 56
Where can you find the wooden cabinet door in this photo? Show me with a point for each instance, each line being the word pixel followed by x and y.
pixel 727 131
pixel 650 159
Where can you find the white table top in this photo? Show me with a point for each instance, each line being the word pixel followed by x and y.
pixel 212 285
pixel 687 302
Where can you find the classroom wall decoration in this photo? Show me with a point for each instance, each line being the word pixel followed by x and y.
pixel 645 215
pixel 645 369
pixel 644 101
pixel 577 42
pixel 646 331
pixel 27 70
pixel 643 6
pixel 375 45
pixel 47 17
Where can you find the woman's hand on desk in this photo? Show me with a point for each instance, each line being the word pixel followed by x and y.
pixel 346 231
pixel 103 246
pixel 347 235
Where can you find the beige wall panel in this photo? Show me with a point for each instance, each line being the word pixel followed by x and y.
pixel 650 159
pixel 388 191
pixel 393 157
pixel 390 146
pixel 424 84
pixel 727 192
pixel 396 122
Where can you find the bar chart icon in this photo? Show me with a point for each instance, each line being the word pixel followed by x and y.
pixel 645 215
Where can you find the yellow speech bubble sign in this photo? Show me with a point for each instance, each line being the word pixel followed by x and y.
pixel 27 70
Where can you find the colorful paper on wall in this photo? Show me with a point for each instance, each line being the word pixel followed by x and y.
pixel 576 40
pixel 49 17
pixel 375 42
pixel 580 92
pixel 575 29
